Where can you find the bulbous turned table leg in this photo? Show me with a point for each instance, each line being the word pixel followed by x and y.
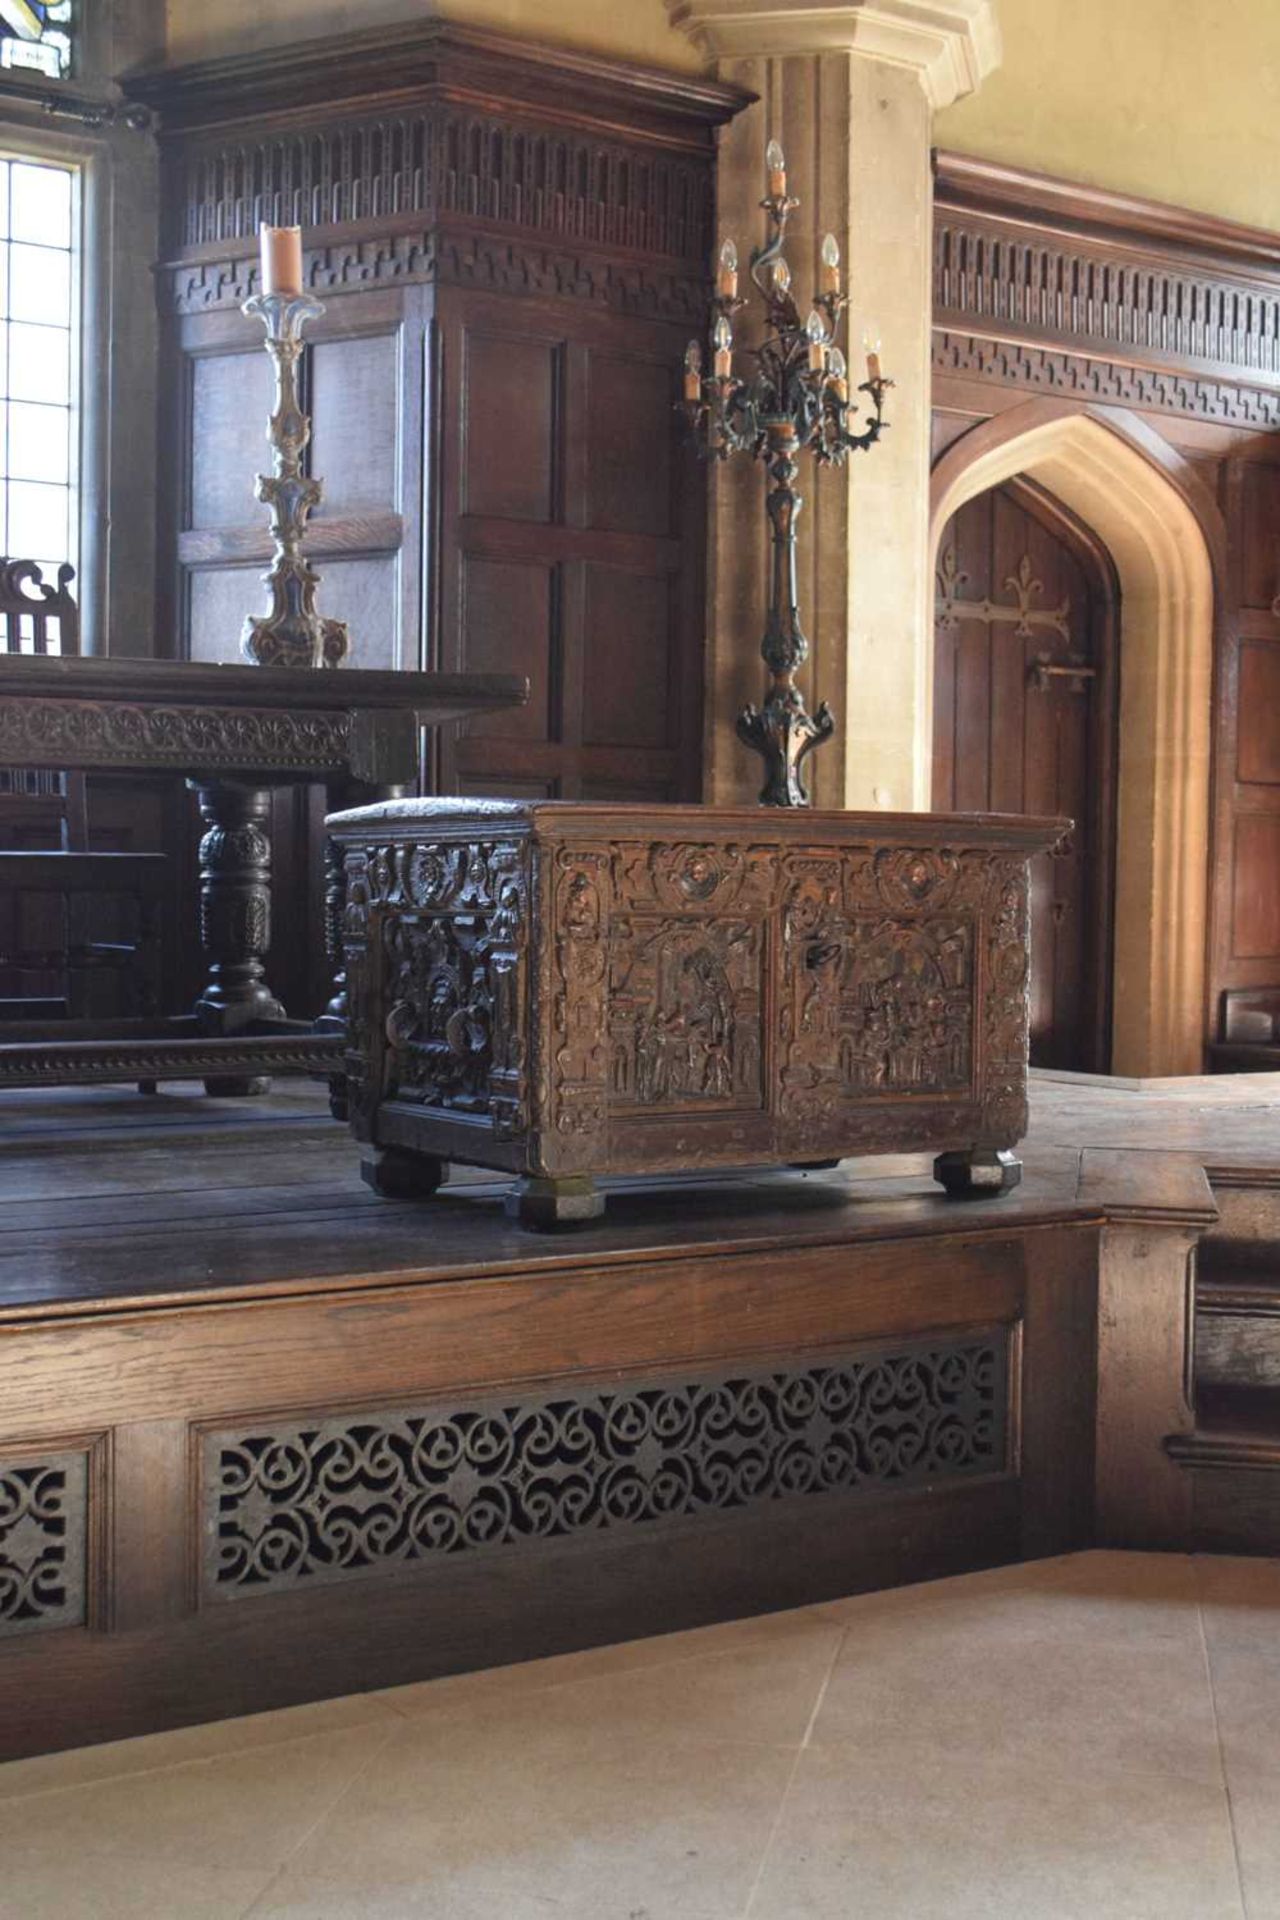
pixel 235 918
pixel 977 1173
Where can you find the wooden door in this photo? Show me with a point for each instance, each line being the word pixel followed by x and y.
pixel 1024 722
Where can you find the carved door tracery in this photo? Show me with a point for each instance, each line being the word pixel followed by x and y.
pixel 1026 611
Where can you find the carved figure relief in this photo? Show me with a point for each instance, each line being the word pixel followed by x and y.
pixel 454 1024
pixel 684 1012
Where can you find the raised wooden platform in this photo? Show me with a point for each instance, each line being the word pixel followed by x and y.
pixel 265 1436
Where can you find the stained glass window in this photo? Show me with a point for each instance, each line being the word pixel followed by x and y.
pixel 38 424
pixel 36 34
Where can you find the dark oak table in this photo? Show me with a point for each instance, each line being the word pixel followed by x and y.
pixel 234 733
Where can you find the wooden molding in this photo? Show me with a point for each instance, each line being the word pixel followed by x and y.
pixel 442 61
pixel 1038 199
pixel 1068 289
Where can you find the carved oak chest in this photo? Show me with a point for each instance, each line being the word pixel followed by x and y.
pixel 566 990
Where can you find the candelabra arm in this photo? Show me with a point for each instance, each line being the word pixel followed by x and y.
pixel 293 634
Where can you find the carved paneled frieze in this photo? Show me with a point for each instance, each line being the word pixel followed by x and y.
pixel 1080 376
pixel 484 263
pixel 443 160
pixel 1062 286
pixel 303 1503
pixel 44 1520
pixel 116 732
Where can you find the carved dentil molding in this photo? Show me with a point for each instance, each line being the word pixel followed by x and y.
pixel 952 44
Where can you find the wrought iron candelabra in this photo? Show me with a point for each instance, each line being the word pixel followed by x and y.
pixel 293 634
pixel 797 397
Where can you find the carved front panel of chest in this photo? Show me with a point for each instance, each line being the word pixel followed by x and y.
pixel 629 1004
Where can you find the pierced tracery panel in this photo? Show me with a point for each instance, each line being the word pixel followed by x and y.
pixel 43 1541
pixel 308 1503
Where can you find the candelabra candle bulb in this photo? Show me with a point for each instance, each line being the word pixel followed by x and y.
pixel 781 277
pixel 693 371
pixel 830 265
pixel 727 278
pixel 815 334
pixel 871 347
pixel 723 340
pixel 776 163
pixel 838 374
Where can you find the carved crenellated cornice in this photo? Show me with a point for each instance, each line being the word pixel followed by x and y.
pixel 440 152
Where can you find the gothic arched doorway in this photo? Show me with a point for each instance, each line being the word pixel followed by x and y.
pixel 1025 702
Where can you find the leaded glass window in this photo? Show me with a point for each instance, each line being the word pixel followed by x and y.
pixel 38 414
pixel 36 34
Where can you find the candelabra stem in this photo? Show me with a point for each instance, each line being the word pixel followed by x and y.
pixel 782 731
pixel 293 634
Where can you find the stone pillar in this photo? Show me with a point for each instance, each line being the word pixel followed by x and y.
pixel 849 88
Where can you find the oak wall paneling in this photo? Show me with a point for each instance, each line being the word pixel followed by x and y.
pixel 1172 319
pixel 512 243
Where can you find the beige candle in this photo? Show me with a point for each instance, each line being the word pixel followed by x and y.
pixel 777 166
pixel 830 265
pixel 817 339
pixel 281 259
pixel 871 344
pixel 723 341
pixel 727 278
pixel 693 371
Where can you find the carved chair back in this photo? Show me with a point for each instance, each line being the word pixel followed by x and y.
pixel 39 809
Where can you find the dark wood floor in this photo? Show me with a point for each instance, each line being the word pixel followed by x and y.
pixel 105 1195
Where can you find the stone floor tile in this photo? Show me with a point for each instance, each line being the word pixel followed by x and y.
pixel 1125 1599
pixel 43 1883
pixel 249 1809
pixel 602 1823
pixel 1255 1812
pixel 1018 1676
pixel 912 1834
pixel 154 1751
pixel 1246 1697
pixel 593 1662
pixel 763 1692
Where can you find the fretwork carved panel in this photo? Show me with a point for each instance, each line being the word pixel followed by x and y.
pixel 310 1502
pixel 44 1502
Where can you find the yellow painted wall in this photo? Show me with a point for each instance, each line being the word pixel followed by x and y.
pixel 626 29
pixel 1175 99
pixel 1169 98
